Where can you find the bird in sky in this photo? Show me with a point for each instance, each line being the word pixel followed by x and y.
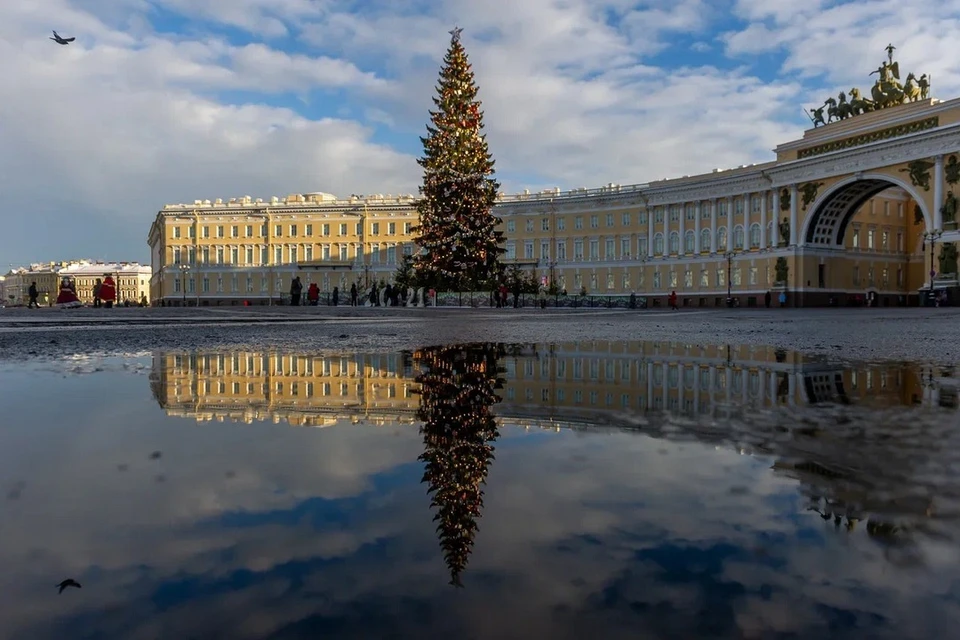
pixel 69 582
pixel 56 38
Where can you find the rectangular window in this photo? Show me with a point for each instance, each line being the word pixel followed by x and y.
pixel 578 249
pixel 293 231
pixel 594 249
pixel 656 279
pixel 609 220
pixel 375 229
pixel 343 252
pixel 278 231
pixel 545 224
pixel 235 255
pixel 249 231
pixel 219 255
pixel 191 232
pixel 235 231
pixel 391 228
pixel 544 249
pixel 625 219
pixel 609 249
pixel 249 255
pixel 176 232
pixel 561 224
pixel 308 253
pixel 561 250
pixel 343 228
pixel 528 249
pixel 529 225
pixel 594 222
pixel 721 277
pixel 511 226
pixel 753 275
pixel 624 248
pixel 205 232
pixel 308 230
pixel 219 230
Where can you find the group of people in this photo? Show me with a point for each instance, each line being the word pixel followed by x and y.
pixel 390 295
pixel 104 294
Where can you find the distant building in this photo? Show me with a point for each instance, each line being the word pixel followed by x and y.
pixel 132 278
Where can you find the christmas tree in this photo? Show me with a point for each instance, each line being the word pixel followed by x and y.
pixel 457 230
pixel 457 392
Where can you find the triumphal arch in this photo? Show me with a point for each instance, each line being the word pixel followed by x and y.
pixel 862 209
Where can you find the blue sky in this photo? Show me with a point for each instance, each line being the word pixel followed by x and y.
pixel 162 101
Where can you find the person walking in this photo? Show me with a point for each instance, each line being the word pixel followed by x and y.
pixel 96 293
pixel 353 294
pixel 767 298
pixel 673 300
pixel 108 291
pixel 296 289
pixel 34 294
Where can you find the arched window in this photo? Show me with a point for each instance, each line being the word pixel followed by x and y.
pixel 755 236
pixel 658 244
pixel 689 242
pixel 722 239
pixel 738 237
pixel 674 242
pixel 705 240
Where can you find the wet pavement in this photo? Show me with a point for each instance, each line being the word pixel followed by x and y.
pixel 306 485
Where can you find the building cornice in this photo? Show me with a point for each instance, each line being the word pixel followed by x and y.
pixel 869 157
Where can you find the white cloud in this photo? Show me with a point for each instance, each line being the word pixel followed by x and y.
pixel 102 133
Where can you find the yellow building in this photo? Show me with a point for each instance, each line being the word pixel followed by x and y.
pixel 853 211
pixel 250 250
pixel 132 279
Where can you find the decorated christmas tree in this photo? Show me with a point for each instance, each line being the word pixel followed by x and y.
pixel 457 230
pixel 457 391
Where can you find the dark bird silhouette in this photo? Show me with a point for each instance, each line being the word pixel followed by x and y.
pixel 155 455
pixel 69 582
pixel 56 38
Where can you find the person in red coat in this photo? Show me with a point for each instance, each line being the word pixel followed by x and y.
pixel 108 291
pixel 313 294
pixel 67 298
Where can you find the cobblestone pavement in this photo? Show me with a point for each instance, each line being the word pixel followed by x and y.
pixel 848 334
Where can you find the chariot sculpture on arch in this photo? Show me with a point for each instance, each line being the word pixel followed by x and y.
pixel 886 91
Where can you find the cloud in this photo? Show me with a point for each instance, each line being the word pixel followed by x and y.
pixel 174 100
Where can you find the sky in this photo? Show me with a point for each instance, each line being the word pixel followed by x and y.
pixel 167 101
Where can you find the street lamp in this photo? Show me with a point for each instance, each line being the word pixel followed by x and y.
pixel 931 236
pixel 184 268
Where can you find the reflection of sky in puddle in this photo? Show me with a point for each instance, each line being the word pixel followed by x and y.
pixel 265 530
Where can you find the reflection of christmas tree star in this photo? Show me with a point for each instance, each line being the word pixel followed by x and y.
pixel 457 392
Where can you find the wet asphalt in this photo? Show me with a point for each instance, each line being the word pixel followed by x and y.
pixel 922 335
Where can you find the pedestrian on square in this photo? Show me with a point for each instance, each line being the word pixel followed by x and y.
pixel 108 291
pixel 313 294
pixel 767 298
pixel 783 298
pixel 34 294
pixel 673 301
pixel 96 293
pixel 353 294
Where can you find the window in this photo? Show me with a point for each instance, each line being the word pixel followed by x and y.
pixel 278 231
pixel 673 279
pixel 690 212
pixel 674 213
pixel 870 237
pixel 205 255
pixel 234 255
pixel 205 232
pixel 278 255
pixel 406 228
pixel 235 231
pixel 528 249
pixel 658 244
pixel 642 246
pixel 392 255
pixel 343 252
pixel 594 222
pixel 249 284
pixel 206 284
pixel 578 222
pixel 293 231
pixel 735 276
pixel 391 228
pixel 176 232
pixel 674 242
pixel 855 240
pixel 610 281
pixel 705 240
pixel 176 255
pixel 755 235
pixel 375 229
pixel 625 280
pixel 545 224
pixel 561 250
pixel 511 253
pixel 308 230
pixel 594 249
pixel 753 275
pixel 738 237
pixel 359 229
pixel 561 224
pixel 325 252
pixel 249 231
pixel 885 240
pixel 511 226
pixel 578 249
pixel 191 232
pixel 249 255
pixel 219 230
pixel 721 277
pixel 293 254
pixel 625 219
pixel 609 249
pixel 624 248
pixel 343 228
pixel 308 253
pixel 544 249
pixel 609 222
pixel 689 242
pixel 528 225
pixel 219 255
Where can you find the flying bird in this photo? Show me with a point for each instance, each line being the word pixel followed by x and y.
pixel 69 582
pixel 56 38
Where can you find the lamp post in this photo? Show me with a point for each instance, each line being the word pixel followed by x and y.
pixel 932 237
pixel 184 269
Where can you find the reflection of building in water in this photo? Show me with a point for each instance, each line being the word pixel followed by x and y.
pixel 593 381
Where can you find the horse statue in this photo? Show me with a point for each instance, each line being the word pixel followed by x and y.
pixel 911 89
pixel 832 113
pixel 859 104
pixel 843 107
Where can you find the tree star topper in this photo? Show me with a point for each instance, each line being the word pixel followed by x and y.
pixel 455 32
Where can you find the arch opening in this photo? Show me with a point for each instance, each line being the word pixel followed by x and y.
pixel 830 219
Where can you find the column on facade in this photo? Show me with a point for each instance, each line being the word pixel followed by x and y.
pixel 666 385
pixel 728 380
pixel 776 222
pixel 764 196
pixel 713 226
pixel 761 388
pixel 649 403
pixel 794 206
pixel 937 192
pixel 773 386
pixel 791 388
pixel 683 228
pixel 696 390
pixel 696 228
pixel 649 232
pixel 731 220
pixel 744 384
pixel 711 393
pixel 747 206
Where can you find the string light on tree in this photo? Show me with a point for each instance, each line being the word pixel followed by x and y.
pixel 457 230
